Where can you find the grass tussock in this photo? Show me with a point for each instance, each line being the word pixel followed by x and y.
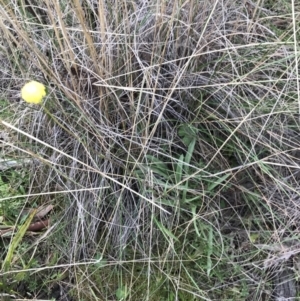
pixel 167 144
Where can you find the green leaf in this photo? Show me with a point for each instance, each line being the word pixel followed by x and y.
pixel 217 182
pixel 187 133
pixel 122 292
pixel 15 242
pixel 166 232
pixel 178 174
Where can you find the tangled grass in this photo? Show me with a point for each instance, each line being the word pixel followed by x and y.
pixel 168 145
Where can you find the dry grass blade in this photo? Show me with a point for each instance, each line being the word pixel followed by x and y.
pixel 167 144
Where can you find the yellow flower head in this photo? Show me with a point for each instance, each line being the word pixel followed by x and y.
pixel 33 92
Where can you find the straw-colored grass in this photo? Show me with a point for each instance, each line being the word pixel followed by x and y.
pixel 167 144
